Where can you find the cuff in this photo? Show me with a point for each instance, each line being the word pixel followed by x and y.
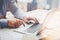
pixel 3 23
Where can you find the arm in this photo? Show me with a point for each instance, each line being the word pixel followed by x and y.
pixel 17 12
pixel 10 23
pixel 3 23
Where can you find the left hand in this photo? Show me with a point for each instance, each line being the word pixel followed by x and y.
pixel 15 23
pixel 27 19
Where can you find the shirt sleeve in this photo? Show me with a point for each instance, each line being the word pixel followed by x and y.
pixel 3 23
pixel 17 12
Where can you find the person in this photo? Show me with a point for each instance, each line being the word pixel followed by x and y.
pixel 18 20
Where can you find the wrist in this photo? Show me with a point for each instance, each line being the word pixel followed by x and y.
pixel 9 24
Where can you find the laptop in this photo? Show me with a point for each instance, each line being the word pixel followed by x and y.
pixel 29 29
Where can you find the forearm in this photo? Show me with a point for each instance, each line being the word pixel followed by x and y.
pixel 3 23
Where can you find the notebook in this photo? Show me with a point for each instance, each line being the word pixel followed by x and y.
pixel 29 29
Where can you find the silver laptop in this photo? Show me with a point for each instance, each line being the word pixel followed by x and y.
pixel 33 29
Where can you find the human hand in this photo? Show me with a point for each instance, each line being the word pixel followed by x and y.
pixel 27 20
pixel 14 23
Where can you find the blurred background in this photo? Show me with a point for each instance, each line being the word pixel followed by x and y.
pixel 29 5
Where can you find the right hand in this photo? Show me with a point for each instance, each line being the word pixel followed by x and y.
pixel 14 23
pixel 27 20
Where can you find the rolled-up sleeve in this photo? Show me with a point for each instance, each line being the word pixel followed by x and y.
pixel 3 23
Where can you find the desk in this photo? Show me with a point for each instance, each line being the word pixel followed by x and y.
pixel 7 34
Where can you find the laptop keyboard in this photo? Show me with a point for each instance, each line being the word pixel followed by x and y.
pixel 33 28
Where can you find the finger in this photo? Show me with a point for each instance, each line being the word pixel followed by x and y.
pixel 16 24
pixel 36 21
pixel 26 21
pixel 21 23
